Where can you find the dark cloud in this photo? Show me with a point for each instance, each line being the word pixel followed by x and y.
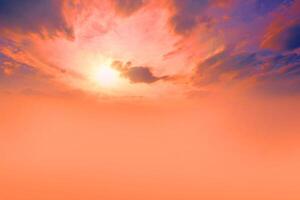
pixel 224 64
pixel 281 60
pixel 127 7
pixel 282 68
pixel 266 6
pixel 267 68
pixel 256 11
pixel 136 74
pixel 286 40
pixel 188 14
pixel 34 16
pixel 140 75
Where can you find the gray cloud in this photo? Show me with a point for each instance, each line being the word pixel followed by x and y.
pixel 188 14
pixel 137 74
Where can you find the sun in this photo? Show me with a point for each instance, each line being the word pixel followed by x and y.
pixel 106 76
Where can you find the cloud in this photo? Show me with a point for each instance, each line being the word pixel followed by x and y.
pixel 137 74
pixel 128 7
pixel 285 40
pixel 203 29
pixel 187 14
pixel 248 63
pixel 282 67
pixel 270 70
pixel 226 66
pixel 266 6
pixel 33 16
pixel 19 77
pixel 140 75
pixel 15 75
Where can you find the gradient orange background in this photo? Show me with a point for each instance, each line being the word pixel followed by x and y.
pixel 54 148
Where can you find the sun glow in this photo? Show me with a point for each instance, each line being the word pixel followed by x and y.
pixel 106 76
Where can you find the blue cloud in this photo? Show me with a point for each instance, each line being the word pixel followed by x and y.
pixel 281 69
pixel 287 39
pixel 34 16
pixel 266 6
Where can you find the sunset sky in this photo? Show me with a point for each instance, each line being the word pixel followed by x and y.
pixel 149 99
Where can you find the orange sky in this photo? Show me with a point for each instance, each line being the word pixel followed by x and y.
pixel 67 148
pixel 146 99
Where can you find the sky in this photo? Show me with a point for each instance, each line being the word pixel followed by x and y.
pixel 149 99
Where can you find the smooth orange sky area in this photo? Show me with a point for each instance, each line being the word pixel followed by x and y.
pixel 54 148
pixel 149 100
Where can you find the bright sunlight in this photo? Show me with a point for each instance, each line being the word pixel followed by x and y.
pixel 106 76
